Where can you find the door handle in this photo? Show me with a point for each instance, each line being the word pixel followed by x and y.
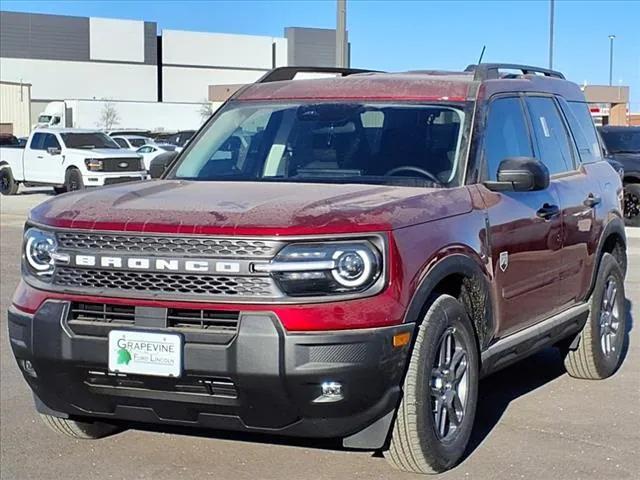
pixel 592 200
pixel 548 211
pixel 39 156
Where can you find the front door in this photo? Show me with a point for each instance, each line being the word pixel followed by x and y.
pixel 525 228
pixel 41 164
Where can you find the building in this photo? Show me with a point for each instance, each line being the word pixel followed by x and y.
pixel 608 104
pixel 15 108
pixel 66 57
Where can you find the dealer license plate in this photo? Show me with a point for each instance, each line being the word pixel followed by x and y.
pixel 145 353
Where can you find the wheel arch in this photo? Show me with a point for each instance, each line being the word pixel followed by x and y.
pixel 614 241
pixel 464 278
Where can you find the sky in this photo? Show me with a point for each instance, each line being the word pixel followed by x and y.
pixel 402 35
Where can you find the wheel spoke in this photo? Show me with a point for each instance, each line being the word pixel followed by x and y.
pixel 458 408
pixel 459 365
pixel 441 419
pixel 451 413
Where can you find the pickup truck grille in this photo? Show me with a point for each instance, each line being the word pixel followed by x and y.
pixel 175 283
pixel 122 165
pixel 166 245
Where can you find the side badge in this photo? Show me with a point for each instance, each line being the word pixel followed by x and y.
pixel 504 260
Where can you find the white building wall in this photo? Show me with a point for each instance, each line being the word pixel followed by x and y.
pixel 58 80
pixel 194 60
pixel 116 40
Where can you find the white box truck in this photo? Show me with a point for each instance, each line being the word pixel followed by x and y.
pixel 118 114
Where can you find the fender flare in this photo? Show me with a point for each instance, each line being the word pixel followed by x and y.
pixel 454 264
pixel 614 227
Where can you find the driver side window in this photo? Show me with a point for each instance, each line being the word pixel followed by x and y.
pixel 50 141
pixel 506 134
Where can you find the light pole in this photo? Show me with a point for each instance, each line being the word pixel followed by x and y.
pixel 551 11
pixel 611 38
pixel 341 33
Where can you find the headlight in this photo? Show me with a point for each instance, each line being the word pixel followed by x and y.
pixel 39 249
pixel 94 164
pixel 315 269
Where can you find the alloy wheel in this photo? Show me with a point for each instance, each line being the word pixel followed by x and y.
pixel 610 311
pixel 631 205
pixel 449 384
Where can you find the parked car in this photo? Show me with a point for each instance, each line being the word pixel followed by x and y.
pixel 130 142
pixel 67 159
pixel 151 150
pixel 340 258
pixel 180 139
pixel 622 144
pixel 8 140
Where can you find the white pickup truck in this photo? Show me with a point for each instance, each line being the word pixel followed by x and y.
pixel 67 159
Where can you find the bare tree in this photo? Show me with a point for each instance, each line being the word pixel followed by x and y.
pixel 206 110
pixel 109 116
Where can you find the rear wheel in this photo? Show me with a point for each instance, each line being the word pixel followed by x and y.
pixel 8 184
pixel 434 420
pixel 73 180
pixel 599 350
pixel 632 204
pixel 79 430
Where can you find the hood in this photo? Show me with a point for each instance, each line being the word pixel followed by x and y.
pixel 102 152
pixel 629 161
pixel 250 208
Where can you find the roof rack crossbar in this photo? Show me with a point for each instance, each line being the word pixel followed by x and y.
pixel 489 71
pixel 288 73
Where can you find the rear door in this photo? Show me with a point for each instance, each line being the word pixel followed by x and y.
pixel 524 227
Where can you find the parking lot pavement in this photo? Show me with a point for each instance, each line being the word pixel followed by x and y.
pixel 533 420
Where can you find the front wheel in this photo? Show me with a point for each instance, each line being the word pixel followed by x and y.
pixel 73 180
pixel 435 417
pixel 8 184
pixel 79 430
pixel 632 204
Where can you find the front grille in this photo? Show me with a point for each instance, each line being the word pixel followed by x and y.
pixel 102 312
pixel 178 283
pixel 116 165
pixel 184 318
pixel 113 181
pixel 166 245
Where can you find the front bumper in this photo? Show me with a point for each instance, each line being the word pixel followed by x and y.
pixel 262 380
pixel 91 179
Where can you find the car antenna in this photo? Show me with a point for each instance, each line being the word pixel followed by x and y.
pixel 484 47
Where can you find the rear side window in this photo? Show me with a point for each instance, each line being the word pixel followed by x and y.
pixel 37 141
pixel 584 132
pixel 121 142
pixel 50 141
pixel 506 134
pixel 551 135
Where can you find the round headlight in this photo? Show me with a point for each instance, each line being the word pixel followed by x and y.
pixel 38 249
pixel 353 268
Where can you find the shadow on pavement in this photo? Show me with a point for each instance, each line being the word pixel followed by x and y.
pixel 498 390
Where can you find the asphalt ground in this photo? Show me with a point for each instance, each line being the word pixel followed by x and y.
pixel 533 420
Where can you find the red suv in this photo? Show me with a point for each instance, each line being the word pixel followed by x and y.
pixel 339 257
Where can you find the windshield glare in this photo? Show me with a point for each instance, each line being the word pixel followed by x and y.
pixel 328 142
pixel 619 141
pixel 88 140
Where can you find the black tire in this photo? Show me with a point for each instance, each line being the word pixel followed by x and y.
pixel 73 180
pixel 591 359
pixel 8 184
pixel 59 190
pixel 416 445
pixel 632 204
pixel 79 430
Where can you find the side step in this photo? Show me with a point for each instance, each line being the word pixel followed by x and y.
pixel 526 342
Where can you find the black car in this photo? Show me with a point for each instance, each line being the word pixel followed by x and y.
pixel 622 144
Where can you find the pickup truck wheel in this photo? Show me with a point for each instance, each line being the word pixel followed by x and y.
pixel 632 204
pixel 79 430
pixel 435 417
pixel 599 350
pixel 73 180
pixel 8 184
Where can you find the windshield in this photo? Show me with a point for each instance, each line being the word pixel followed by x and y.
pixel 44 118
pixel 328 142
pixel 88 140
pixel 622 141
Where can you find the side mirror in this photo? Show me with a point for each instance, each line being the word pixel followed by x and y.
pixel 520 174
pixel 160 164
pixel 54 151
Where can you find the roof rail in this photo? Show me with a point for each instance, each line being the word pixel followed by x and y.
pixel 288 73
pixel 489 71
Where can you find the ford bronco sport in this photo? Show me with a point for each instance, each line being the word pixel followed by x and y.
pixel 339 258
